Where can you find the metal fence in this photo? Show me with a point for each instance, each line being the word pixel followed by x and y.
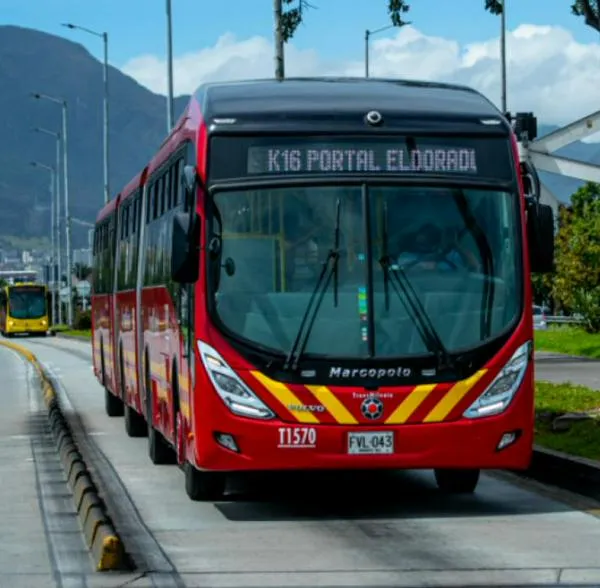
pixel 564 320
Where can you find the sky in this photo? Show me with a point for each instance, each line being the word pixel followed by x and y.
pixel 553 58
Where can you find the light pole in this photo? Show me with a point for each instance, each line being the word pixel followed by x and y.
pixel 503 53
pixel 69 269
pixel 169 67
pixel 368 35
pixel 58 258
pixel 53 175
pixel 104 37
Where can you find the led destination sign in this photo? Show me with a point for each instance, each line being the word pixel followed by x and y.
pixel 380 159
pixel 481 157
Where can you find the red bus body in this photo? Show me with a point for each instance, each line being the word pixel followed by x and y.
pixel 148 331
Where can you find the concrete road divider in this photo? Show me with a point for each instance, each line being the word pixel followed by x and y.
pixel 102 540
pixel 576 474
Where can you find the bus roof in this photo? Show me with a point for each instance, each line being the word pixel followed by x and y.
pixel 331 96
pixel 132 186
pixel 106 210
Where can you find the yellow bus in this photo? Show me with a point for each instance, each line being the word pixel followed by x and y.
pixel 24 309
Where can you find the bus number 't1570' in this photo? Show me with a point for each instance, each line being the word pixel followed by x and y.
pixel 301 437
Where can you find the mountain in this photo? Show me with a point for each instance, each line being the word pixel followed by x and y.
pixel 32 61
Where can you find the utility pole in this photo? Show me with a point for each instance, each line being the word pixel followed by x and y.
pixel 58 259
pixel 279 44
pixel 169 68
pixel 51 280
pixel 368 34
pixel 503 54
pixel 69 269
pixel 104 37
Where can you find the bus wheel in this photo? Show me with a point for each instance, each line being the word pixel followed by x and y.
pixel 135 425
pixel 203 486
pixel 159 451
pixel 112 405
pixel 457 481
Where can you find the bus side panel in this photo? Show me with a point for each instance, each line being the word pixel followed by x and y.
pixel 162 300
pixel 102 324
pixel 126 354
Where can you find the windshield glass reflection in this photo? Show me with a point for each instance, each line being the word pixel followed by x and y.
pixel 456 251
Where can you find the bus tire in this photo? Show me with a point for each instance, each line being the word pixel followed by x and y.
pixel 159 451
pixel 203 486
pixel 458 481
pixel 112 405
pixel 135 425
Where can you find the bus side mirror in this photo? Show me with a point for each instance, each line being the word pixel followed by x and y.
pixel 540 235
pixel 185 248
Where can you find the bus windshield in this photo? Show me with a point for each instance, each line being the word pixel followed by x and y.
pixel 453 254
pixel 27 303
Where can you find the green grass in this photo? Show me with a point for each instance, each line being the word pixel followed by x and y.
pixel 65 330
pixel 569 340
pixel 77 333
pixel 581 440
pixel 561 398
pixel 583 437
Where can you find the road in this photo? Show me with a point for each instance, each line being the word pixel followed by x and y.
pixel 394 530
pixel 555 367
pixel 41 544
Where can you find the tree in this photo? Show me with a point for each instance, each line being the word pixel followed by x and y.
pixel 292 17
pixel 590 10
pixel 82 271
pixel 577 281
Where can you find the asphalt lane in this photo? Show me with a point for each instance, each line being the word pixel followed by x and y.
pixel 41 544
pixel 558 368
pixel 388 530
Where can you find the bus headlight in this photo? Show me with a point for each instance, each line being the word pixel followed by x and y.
pixel 499 394
pixel 233 391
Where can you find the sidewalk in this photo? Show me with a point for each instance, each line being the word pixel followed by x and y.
pixel 40 540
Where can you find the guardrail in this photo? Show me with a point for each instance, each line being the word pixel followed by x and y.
pixel 564 320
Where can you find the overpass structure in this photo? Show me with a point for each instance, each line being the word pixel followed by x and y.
pixel 16 276
pixel 539 153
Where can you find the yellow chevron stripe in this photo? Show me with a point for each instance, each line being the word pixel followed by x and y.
pixel 441 410
pixel 285 396
pixel 410 404
pixel 337 410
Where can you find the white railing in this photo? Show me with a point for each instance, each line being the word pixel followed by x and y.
pixel 564 320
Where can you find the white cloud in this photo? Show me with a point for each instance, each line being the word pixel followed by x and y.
pixel 549 72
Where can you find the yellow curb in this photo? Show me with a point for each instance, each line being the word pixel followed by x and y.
pixel 104 544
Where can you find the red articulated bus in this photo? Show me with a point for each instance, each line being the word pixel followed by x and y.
pixel 325 274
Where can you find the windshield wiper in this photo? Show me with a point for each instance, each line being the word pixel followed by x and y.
pixel 487 299
pixel 412 303
pixel 329 270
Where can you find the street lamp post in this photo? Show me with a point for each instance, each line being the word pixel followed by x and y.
pixel 503 54
pixel 53 175
pixel 69 269
pixel 169 67
pixel 58 258
pixel 104 37
pixel 368 35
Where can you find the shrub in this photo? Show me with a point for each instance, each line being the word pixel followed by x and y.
pixel 83 320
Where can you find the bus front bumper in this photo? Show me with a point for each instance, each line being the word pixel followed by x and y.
pixel 502 442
